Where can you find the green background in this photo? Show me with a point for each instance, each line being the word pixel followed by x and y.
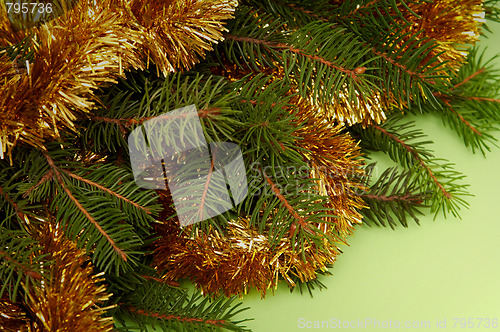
pixel 443 269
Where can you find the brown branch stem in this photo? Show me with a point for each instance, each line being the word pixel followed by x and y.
pixel 109 191
pixel 480 71
pixel 19 213
pixel 462 119
pixel 300 220
pixel 46 177
pixel 351 73
pixel 168 282
pixel 128 122
pixel 482 99
pixel 408 71
pixel 59 178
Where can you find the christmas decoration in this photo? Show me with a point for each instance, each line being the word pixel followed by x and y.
pixel 88 46
pixel 443 21
pixel 243 257
pixel 305 90
pixel 178 33
pixel 71 297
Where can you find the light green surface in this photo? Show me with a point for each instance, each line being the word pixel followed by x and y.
pixel 443 269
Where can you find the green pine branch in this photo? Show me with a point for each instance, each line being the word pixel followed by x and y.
pixel 470 107
pixel 325 59
pixel 267 126
pixel 298 213
pixel 10 210
pixel 20 266
pixel 411 80
pixel 140 98
pixel 405 145
pixel 321 60
pixel 98 206
pixel 282 199
pixel 492 10
pixel 170 308
pixel 394 195
pixel 96 218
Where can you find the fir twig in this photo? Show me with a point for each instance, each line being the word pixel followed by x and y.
pixel 19 266
pixel 157 304
pixel 86 213
pixel 300 220
pixel 109 191
pixel 405 146
pixel 470 107
pixel 393 194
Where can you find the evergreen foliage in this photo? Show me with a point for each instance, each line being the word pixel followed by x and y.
pixel 326 53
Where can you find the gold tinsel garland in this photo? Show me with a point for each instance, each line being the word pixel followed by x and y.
pixel 91 45
pixel 236 261
pixel 73 55
pixel 454 24
pixel 336 161
pixel 69 296
pixel 68 300
pixel 176 34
